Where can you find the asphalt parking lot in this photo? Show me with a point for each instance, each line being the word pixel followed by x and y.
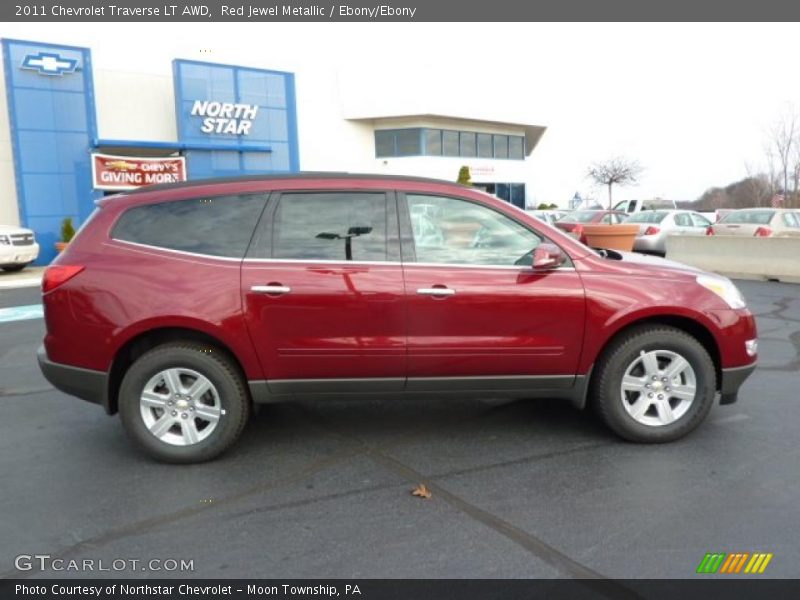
pixel 316 490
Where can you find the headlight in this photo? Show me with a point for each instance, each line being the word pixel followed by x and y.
pixel 5 240
pixel 724 288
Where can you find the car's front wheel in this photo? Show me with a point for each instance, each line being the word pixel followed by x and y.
pixel 654 384
pixel 14 268
pixel 183 402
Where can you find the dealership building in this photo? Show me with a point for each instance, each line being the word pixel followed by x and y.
pixel 70 134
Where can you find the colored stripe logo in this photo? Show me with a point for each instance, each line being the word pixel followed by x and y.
pixel 734 563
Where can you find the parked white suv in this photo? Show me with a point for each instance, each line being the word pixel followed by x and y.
pixel 635 206
pixel 18 248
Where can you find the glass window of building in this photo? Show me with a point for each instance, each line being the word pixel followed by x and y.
pixel 515 147
pixel 501 146
pixel 408 142
pixel 384 143
pixel 467 145
pixel 433 142
pixel 450 143
pixel 485 145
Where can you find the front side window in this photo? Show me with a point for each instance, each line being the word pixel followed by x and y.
pixel 217 226
pixel 330 226
pixel 459 232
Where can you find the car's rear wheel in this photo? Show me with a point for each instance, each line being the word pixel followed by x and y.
pixel 654 384
pixel 183 402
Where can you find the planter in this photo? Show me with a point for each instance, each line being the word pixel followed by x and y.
pixel 60 246
pixel 613 237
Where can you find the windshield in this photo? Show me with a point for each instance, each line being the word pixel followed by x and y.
pixel 650 216
pixel 756 217
pixel 582 216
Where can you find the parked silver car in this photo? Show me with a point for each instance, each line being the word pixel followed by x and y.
pixel 656 225
pixel 759 222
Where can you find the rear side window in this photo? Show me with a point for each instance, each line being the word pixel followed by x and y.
pixel 217 226
pixel 790 219
pixel 330 226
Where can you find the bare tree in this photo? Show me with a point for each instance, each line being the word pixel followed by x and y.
pixel 783 141
pixel 758 186
pixel 619 171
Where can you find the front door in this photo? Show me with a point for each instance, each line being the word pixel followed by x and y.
pixel 323 293
pixel 476 308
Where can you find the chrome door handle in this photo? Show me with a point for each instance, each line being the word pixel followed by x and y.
pixel 436 292
pixel 270 289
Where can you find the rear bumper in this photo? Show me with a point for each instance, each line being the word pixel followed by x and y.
pixel 85 384
pixel 732 380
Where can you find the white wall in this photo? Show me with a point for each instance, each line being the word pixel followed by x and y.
pixel 135 106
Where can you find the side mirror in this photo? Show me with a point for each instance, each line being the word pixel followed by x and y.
pixel 548 256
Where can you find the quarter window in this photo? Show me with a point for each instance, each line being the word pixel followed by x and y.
pixel 330 226
pixel 452 231
pixel 218 226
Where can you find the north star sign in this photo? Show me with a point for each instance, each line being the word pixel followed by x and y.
pixel 225 117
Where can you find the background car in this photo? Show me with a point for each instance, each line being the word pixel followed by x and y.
pixel 18 248
pixel 573 222
pixel 548 216
pixel 758 222
pixel 634 206
pixel 656 225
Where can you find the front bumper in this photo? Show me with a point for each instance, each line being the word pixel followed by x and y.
pixel 18 255
pixel 85 384
pixel 732 380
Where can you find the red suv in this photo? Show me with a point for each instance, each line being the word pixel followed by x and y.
pixel 182 306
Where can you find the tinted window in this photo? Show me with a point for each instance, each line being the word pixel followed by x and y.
pixel 515 147
pixel 485 145
pixel 433 142
pixel 467 147
pixel 219 226
pixel 330 226
pixel 451 231
pixel 384 143
pixel 408 142
pixel 501 146
pixel 450 142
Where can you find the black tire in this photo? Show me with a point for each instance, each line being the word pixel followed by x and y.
pixel 622 353
pixel 211 364
pixel 14 268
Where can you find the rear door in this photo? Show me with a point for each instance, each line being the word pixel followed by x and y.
pixel 323 292
pixel 476 308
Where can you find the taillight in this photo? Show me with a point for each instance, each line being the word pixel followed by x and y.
pixel 652 230
pixel 57 275
pixel 763 232
pixel 578 229
pixel 709 230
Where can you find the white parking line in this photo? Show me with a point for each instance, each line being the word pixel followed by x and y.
pixel 21 313
pixel 20 283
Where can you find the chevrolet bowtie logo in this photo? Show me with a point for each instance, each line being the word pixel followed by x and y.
pixel 47 63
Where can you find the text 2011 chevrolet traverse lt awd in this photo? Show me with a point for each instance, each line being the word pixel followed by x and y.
pixel 181 306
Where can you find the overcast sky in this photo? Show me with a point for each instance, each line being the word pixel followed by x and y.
pixel 692 103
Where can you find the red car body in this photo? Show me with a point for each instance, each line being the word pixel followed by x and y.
pixel 351 326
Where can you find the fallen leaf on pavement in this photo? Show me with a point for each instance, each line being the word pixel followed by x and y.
pixel 421 491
